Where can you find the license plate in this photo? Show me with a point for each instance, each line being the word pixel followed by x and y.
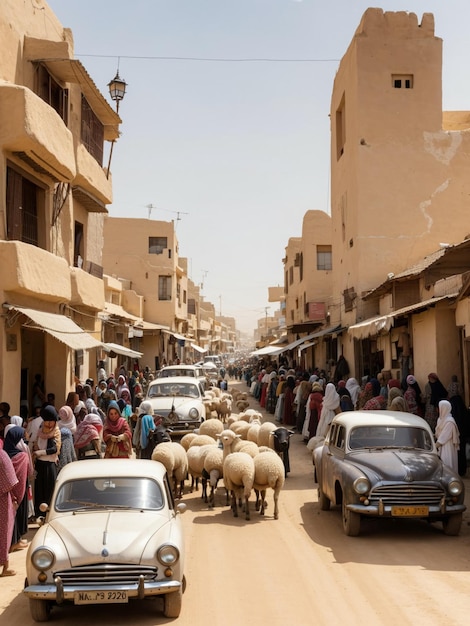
pixel 410 511
pixel 100 597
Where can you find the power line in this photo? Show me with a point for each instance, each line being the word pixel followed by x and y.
pixel 209 59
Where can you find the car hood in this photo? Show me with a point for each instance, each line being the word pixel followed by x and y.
pixel 165 402
pixel 114 535
pixel 398 465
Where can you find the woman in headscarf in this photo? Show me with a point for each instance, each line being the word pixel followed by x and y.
pixel 288 412
pixel 46 455
pixel 117 435
pixel 18 452
pixel 67 419
pixel 461 415
pixel 377 402
pixel 10 496
pixel 434 392
pixel 354 388
pixel 313 411
pixel 398 404
pixel 393 394
pixel 447 436
pixel 67 451
pixel 330 407
pixel 87 438
pixel 125 404
pixel 412 396
pixel 304 389
pixel 147 426
pixel 364 396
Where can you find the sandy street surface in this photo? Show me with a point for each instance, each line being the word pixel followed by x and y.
pixel 298 570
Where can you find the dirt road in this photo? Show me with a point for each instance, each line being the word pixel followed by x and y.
pixel 297 570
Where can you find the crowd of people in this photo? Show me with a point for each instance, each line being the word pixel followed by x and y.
pixel 307 402
pixel 95 421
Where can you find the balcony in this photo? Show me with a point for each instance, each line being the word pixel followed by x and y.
pixel 91 187
pixel 23 272
pixel 34 132
pixel 87 290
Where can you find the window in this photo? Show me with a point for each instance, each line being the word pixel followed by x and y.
pixel 24 202
pixel 92 132
pixel 340 128
pixel 191 306
pixel 157 244
pixel 51 92
pixel 324 258
pixel 164 287
pixel 402 81
pixel 78 254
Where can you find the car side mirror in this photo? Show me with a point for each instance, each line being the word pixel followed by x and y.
pixel 181 507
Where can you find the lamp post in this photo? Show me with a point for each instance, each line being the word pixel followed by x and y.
pixel 117 91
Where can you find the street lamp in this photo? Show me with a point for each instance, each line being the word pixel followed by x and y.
pixel 117 91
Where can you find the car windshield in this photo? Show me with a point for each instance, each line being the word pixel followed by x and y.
pixel 177 372
pixel 96 493
pixel 389 437
pixel 173 389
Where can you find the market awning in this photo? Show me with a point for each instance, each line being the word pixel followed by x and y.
pixel 150 325
pixel 58 326
pixel 115 310
pixel 274 350
pixel 123 350
pixel 198 348
pixel 374 325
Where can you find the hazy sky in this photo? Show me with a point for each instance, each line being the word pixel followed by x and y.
pixel 225 121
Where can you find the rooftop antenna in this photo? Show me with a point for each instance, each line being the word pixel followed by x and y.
pixel 204 274
pixel 152 206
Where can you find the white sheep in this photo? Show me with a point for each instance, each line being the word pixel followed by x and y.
pixel 196 456
pixel 264 432
pixel 186 439
pixel 211 427
pixel 213 471
pixel 250 447
pixel 253 431
pixel 223 408
pixel 240 428
pixel 239 474
pixel 173 456
pixel 201 440
pixel 269 473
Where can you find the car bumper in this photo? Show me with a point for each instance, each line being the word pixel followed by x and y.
pixel 60 593
pixel 437 511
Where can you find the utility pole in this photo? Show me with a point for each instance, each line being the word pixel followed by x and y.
pixel 266 308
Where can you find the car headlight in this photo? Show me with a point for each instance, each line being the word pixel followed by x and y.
pixel 361 485
pixel 193 413
pixel 454 487
pixel 168 554
pixel 42 559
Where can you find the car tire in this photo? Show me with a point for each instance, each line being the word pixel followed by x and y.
pixel 172 603
pixel 323 500
pixel 40 609
pixel 351 521
pixel 452 524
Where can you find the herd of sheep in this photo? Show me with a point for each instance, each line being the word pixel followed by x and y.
pixel 237 448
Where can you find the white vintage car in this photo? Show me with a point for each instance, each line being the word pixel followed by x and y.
pixel 112 533
pixel 178 400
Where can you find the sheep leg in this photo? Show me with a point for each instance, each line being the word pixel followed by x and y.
pixel 263 502
pixel 234 504
pixel 211 497
pixel 204 489
pixel 276 507
pixel 247 508
pixel 257 503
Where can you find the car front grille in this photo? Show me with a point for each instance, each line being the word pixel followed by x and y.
pixel 106 573
pixel 416 493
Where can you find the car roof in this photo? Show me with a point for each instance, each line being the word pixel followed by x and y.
pixel 181 366
pixel 177 380
pixel 350 419
pixel 106 468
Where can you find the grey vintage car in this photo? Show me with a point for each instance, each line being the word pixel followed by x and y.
pixel 112 534
pixel 385 464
